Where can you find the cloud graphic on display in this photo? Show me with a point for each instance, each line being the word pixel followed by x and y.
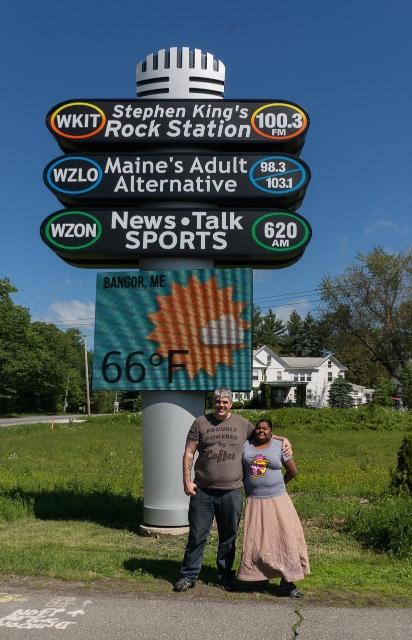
pixel 224 330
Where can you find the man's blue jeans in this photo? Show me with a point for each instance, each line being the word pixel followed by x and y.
pixel 226 507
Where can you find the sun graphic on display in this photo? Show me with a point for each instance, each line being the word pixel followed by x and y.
pixel 202 319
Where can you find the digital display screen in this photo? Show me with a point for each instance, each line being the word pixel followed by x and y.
pixel 187 330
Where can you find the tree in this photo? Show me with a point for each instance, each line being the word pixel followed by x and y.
pixel 348 350
pixel 372 302
pixel 257 320
pixel 402 475
pixel 15 361
pixel 339 394
pixel 384 392
pixel 294 334
pixel 40 365
pixel 57 369
pixel 302 337
pixel 270 331
pixel 406 386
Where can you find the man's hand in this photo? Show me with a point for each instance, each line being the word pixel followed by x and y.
pixel 286 447
pixel 190 488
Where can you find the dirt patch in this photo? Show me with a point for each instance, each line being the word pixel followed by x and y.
pixel 202 591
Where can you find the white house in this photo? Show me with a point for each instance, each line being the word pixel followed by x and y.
pixel 300 381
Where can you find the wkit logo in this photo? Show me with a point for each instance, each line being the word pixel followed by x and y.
pixel 77 120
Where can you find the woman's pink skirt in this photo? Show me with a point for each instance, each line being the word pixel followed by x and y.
pixel 273 541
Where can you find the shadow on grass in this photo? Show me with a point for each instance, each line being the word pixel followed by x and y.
pixel 166 569
pixel 169 570
pixel 101 507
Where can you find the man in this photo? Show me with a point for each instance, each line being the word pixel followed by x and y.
pixel 217 490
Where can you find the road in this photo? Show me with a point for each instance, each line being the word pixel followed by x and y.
pixel 27 614
pixel 10 422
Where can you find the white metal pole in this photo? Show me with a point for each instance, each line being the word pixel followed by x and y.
pixel 167 416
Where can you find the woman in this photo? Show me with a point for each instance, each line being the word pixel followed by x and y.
pixel 273 540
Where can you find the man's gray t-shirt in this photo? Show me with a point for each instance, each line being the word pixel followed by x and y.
pixel 220 445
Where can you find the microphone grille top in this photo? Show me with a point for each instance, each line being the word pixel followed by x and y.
pixel 180 72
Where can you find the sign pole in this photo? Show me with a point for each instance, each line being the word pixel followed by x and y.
pixel 167 416
pixel 130 179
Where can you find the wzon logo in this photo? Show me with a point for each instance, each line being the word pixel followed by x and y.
pixel 77 120
pixel 72 230
pixel 73 175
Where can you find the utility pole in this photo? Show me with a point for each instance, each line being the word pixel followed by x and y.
pixel 86 366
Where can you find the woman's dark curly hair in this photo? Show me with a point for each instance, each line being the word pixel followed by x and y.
pixel 268 420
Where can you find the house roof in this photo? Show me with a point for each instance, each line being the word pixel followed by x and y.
pixel 294 362
pixel 303 362
pixel 359 387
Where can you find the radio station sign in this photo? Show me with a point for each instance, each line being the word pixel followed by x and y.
pixel 85 124
pixel 114 238
pixel 173 330
pixel 100 178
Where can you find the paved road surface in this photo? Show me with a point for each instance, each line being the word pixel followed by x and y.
pixel 26 615
pixel 9 422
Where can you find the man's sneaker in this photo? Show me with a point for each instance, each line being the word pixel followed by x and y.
pixel 184 584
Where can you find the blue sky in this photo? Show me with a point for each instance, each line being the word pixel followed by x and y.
pixel 348 64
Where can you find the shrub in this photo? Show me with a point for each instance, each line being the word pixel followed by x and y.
pixel 384 390
pixel 339 394
pixel 14 508
pixel 402 476
pixel 266 395
pixel 384 526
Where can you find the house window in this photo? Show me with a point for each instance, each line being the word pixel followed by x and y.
pixel 330 376
pixel 255 374
pixel 309 394
pixel 279 375
pixel 302 377
pixel 295 377
pixel 268 360
pixel 329 363
pixel 309 377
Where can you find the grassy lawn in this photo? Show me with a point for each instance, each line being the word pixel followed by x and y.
pixel 71 500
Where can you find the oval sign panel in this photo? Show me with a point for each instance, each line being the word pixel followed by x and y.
pixel 279 174
pixel 279 121
pixel 281 232
pixel 73 174
pixel 71 230
pixel 77 120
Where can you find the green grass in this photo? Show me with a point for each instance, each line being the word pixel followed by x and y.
pixel 71 500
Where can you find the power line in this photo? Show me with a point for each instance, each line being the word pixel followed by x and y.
pixel 283 295
pixel 291 304
pixel 56 313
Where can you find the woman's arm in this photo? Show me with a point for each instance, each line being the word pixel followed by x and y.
pixel 291 470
